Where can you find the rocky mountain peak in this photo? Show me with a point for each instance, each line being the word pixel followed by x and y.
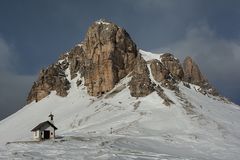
pixel 110 54
pixel 173 65
pixel 105 56
pixel 103 21
pixel 192 72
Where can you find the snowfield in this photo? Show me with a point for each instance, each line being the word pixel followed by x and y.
pixel 118 126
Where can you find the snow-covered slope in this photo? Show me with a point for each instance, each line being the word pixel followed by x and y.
pixel 118 126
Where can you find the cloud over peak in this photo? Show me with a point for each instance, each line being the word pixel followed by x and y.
pixel 218 57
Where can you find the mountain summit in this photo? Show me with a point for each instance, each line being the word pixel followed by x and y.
pixel 107 55
pixel 111 100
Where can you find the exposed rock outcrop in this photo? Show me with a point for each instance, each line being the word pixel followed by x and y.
pixel 110 55
pixel 53 78
pixel 159 71
pixel 192 74
pixel 161 74
pixel 140 84
pixel 173 65
pixel 107 55
pixel 76 59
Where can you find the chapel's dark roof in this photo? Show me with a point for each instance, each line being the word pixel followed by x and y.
pixel 38 127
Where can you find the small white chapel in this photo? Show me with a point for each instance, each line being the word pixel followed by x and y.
pixel 45 130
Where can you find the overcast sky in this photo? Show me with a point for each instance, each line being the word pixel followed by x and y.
pixel 34 33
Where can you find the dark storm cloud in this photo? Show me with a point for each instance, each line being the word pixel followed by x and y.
pixel 35 33
pixel 14 90
pixel 166 21
pixel 218 58
pixel 13 86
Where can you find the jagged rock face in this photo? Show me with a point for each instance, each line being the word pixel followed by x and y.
pixel 173 65
pixel 161 74
pixel 53 78
pixel 158 71
pixel 140 84
pixel 76 60
pixel 106 55
pixel 109 56
pixel 192 73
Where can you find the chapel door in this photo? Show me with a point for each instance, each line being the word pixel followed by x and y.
pixel 46 134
